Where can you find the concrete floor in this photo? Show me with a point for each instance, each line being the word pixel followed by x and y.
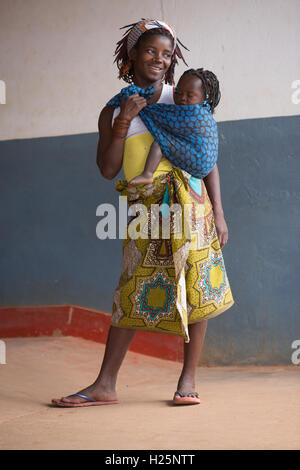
pixel 242 407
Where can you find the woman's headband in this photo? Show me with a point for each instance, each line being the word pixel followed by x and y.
pixel 144 25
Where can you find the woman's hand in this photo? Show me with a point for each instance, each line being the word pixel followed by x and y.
pixel 221 228
pixel 132 106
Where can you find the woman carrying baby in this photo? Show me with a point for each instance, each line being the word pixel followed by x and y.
pixel 167 285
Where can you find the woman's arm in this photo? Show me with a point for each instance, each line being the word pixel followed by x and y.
pixel 111 143
pixel 212 183
pixel 110 149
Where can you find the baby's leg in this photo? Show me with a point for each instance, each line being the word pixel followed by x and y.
pixel 152 162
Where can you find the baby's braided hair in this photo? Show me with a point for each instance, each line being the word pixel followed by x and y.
pixel 210 83
pixel 125 66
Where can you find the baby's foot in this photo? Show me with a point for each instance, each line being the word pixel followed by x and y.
pixel 141 179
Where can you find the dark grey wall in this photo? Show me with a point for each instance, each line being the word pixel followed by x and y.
pixel 50 188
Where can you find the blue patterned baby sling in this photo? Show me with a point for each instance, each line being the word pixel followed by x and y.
pixel 186 134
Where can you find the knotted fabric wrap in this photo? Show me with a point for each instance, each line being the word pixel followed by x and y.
pixel 186 134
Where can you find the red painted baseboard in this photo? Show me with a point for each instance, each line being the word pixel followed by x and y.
pixel 72 320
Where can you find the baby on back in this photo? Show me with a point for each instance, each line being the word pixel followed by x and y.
pixel 195 87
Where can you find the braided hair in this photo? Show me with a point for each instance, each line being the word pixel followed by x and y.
pixel 125 65
pixel 210 83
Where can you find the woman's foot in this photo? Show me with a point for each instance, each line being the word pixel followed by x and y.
pixel 186 394
pixel 96 392
pixel 186 385
pixel 141 179
pixel 191 398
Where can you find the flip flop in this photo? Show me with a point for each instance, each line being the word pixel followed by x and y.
pixel 90 402
pixel 185 398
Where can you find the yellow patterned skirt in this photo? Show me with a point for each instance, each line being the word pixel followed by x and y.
pixel 173 272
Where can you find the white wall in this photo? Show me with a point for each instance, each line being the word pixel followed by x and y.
pixel 56 57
